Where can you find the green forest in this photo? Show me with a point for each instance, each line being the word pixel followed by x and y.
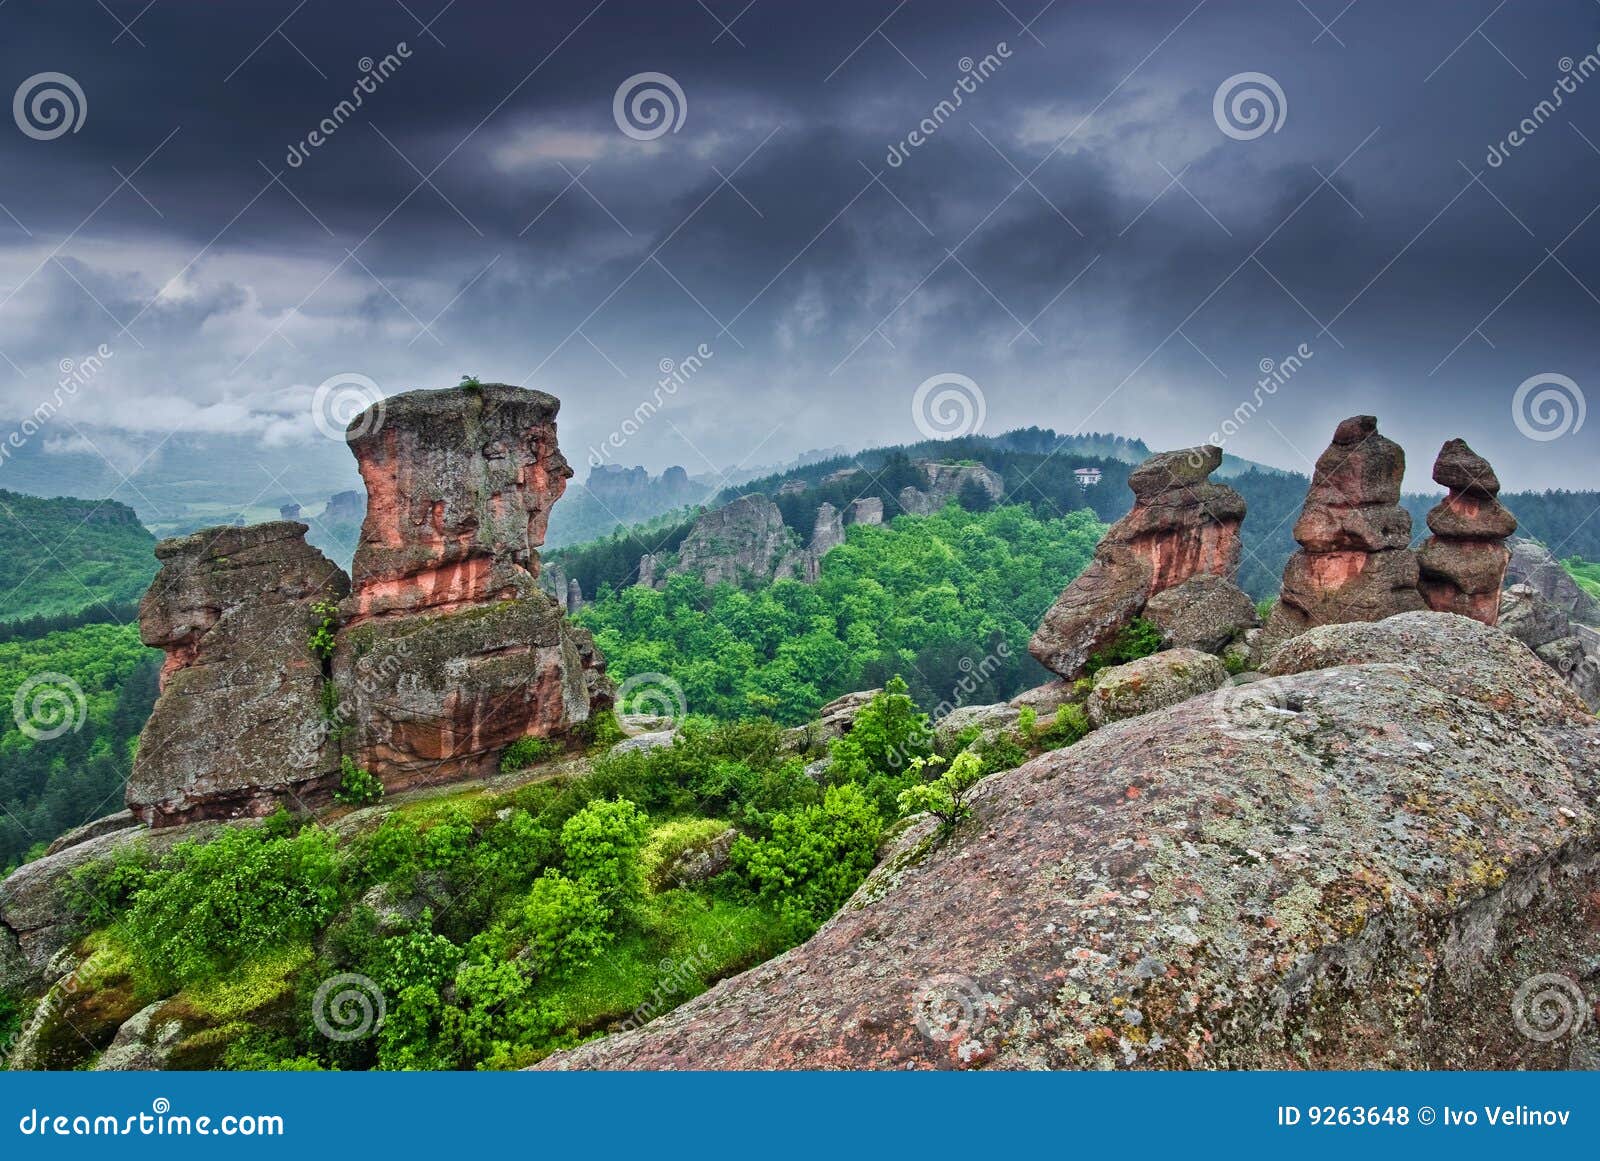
pixel 63 556
pixel 67 742
pixel 942 599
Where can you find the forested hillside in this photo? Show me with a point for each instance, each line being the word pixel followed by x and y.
pixel 942 599
pixel 79 698
pixel 62 556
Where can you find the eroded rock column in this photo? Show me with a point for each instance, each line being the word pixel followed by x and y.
pixel 1463 564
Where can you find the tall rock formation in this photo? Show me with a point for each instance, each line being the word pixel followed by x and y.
pixel 740 542
pixel 234 732
pixel 867 510
pixel 827 533
pixel 1182 525
pixel 450 652
pixel 1463 564
pixel 1354 562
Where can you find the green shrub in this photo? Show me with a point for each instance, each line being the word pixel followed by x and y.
pixel 1138 638
pixel 816 857
pixel 600 848
pixel 1070 724
pixel 357 785
pixel 98 892
pixel 945 796
pixel 206 908
pixel 528 751
pixel 561 924
pixel 323 633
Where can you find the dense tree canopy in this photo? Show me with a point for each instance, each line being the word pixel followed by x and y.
pixel 947 600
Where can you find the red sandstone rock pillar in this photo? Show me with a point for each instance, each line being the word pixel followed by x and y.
pixel 1464 562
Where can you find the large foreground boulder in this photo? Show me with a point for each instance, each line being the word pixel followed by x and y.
pixel 1152 683
pixel 1181 526
pixel 235 610
pixel 1396 867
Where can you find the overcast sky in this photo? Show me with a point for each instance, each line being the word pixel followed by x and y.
pixel 1082 238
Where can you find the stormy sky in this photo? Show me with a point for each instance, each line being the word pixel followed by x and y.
pixel 1099 237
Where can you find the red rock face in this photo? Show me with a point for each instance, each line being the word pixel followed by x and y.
pixel 459 490
pixel 1181 525
pixel 449 651
pixel 1463 564
pixel 1354 562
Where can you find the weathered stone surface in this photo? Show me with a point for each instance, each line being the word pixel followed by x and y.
pixel 450 651
pixel 1205 612
pixel 649 740
pixel 1153 683
pixel 1353 563
pixel 1362 880
pixel 1571 649
pixel 743 542
pixel 698 863
pixel 1045 699
pixel 121 820
pixel 835 719
pixel 1533 564
pixel 868 510
pixel 432 698
pixel 990 720
pixel 1463 564
pixel 826 535
pixel 1181 525
pixel 240 686
pixel 459 489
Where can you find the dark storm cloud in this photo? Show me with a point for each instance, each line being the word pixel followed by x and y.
pixel 1134 282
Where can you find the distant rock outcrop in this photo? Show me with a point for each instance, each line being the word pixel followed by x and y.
pixel 945 482
pixel 1182 525
pixel 1571 649
pixel 740 543
pixel 1355 561
pixel 240 686
pixel 1356 865
pixel 1463 564
pixel 449 651
pixel 1534 565
pixel 867 510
